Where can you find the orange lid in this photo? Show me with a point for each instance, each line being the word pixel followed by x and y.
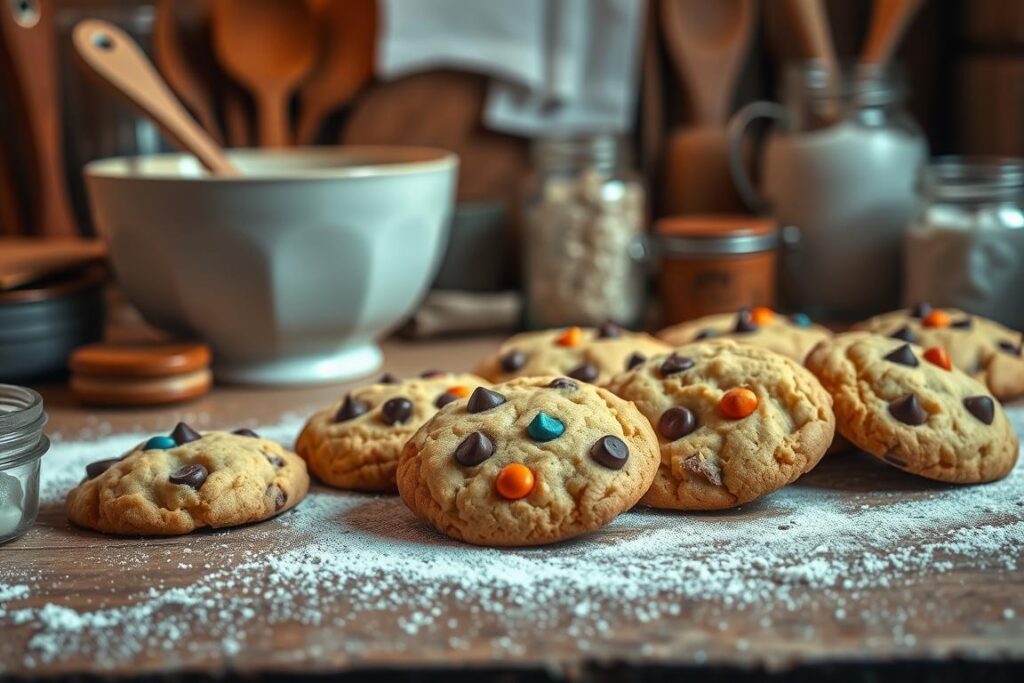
pixel 715 226
pixel 139 359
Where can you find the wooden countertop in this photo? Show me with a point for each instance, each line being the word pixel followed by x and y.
pixel 969 609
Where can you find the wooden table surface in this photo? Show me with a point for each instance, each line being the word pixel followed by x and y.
pixel 968 610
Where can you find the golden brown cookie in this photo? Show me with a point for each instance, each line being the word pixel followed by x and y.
pixel 912 409
pixel 179 483
pixel 984 349
pixel 793 336
pixel 532 461
pixel 583 353
pixel 355 443
pixel 734 422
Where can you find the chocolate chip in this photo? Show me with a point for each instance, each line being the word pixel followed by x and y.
pixel 278 495
pixel 387 378
pixel 396 410
pixel 474 449
pixel 981 407
pixel 190 475
pixel 350 409
pixel 675 423
pixel 562 383
pixel 636 358
pixel 183 434
pixel 274 460
pixel 921 310
pixel 246 432
pixel 444 399
pixel 584 372
pixel 674 364
pixel 905 333
pixel 95 469
pixel 513 360
pixel 963 324
pixel 744 322
pixel 904 355
pixel 908 410
pixel 609 330
pixel 894 459
pixel 427 374
pixel 610 451
pixel 705 334
pixel 483 399
pixel 1010 347
pixel 698 465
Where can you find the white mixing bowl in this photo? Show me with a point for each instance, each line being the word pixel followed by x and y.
pixel 289 273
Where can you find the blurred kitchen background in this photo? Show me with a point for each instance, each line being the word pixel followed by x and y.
pixel 619 160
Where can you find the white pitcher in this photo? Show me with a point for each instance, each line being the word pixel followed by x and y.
pixel 838 170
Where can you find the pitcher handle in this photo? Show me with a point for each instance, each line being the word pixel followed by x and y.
pixel 735 131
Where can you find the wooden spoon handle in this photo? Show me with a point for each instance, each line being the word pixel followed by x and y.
pixel 888 24
pixel 116 59
pixel 272 112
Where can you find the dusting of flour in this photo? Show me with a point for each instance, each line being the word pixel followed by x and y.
pixel 366 579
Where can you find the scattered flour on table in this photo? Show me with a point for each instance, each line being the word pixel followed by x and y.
pixel 362 563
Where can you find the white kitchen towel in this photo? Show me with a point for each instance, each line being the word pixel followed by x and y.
pixel 557 65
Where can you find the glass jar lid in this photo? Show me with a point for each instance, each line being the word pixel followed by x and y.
pixel 716 235
pixel 21 425
pixel 973 179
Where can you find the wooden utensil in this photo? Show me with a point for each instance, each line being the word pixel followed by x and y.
pixel 113 56
pixel 10 207
pixel 171 58
pixel 26 260
pixel 29 42
pixel 269 47
pixel 888 23
pixel 708 43
pixel 349 38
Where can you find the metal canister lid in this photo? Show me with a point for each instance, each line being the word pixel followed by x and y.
pixel 716 235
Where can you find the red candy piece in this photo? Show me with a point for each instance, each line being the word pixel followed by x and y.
pixel 938 356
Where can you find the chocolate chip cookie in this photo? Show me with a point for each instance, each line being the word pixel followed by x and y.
pixel 793 335
pixel 355 443
pixel 734 422
pixel 586 354
pixel 185 481
pixel 984 349
pixel 532 461
pixel 911 408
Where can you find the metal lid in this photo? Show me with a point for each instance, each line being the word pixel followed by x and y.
pixel 716 235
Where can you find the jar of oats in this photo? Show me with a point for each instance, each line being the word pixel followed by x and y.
pixel 584 248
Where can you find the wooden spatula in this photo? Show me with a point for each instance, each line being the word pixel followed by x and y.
pixel 26 260
pixel 888 24
pixel 28 38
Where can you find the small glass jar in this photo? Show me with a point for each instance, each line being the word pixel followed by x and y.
pixel 965 244
pixel 22 445
pixel 584 250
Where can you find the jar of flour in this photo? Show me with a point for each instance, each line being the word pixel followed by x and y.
pixel 838 172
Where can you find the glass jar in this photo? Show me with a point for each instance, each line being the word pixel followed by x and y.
pixel 965 243
pixel 22 445
pixel 838 172
pixel 583 234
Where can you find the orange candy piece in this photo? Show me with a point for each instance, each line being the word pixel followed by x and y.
pixel 458 390
pixel 738 403
pixel 762 315
pixel 938 356
pixel 515 481
pixel 571 337
pixel 936 318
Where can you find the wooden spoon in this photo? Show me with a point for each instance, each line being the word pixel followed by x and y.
pixel 28 37
pixel 268 46
pixel 708 43
pixel 117 60
pixel 169 53
pixel 888 23
pixel 350 37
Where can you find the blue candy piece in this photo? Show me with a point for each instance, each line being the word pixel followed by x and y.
pixel 160 443
pixel 801 319
pixel 545 428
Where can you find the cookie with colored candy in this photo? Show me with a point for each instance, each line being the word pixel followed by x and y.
pixel 355 442
pixel 185 481
pixel 913 411
pixel 583 353
pixel 984 349
pixel 532 461
pixel 734 422
pixel 791 335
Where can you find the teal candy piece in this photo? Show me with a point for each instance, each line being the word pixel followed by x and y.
pixel 160 443
pixel 545 428
pixel 800 319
